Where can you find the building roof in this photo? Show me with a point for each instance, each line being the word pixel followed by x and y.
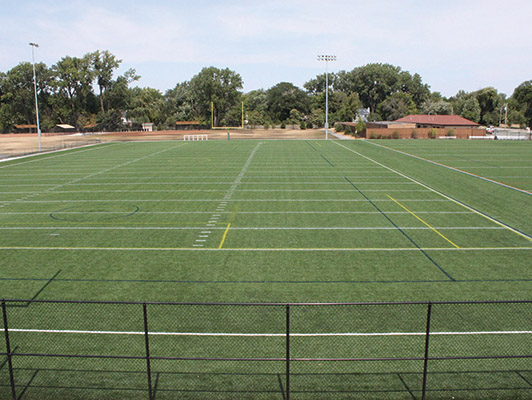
pixel 441 120
pixel 25 126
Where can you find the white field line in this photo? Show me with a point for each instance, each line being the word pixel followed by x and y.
pixel 220 200
pixel 217 191
pixel 210 183
pixel 51 189
pixel 230 212
pixel 223 203
pixel 54 156
pixel 440 193
pixel 280 249
pixel 456 169
pixel 235 334
pixel 245 228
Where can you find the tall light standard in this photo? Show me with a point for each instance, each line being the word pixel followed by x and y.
pixel 326 58
pixel 33 45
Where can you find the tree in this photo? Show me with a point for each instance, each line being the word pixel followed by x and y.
pixel 221 87
pixel 17 96
pixel 104 64
pixel 147 105
pixel 490 102
pixel 73 81
pixel 282 98
pixel 467 106
pixel 396 106
pixel 523 96
pixel 438 107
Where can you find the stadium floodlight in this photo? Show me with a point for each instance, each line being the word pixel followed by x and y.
pixel 33 45
pixel 326 58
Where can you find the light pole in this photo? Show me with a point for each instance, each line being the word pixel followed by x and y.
pixel 33 45
pixel 326 58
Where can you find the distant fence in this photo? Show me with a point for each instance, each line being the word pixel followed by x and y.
pixel 511 134
pixel 24 150
pixel 411 350
pixel 421 133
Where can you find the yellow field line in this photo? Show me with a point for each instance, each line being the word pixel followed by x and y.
pixel 434 229
pixel 225 234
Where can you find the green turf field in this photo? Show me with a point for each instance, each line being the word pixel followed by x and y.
pixel 270 221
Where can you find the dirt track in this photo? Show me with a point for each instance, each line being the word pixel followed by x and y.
pixel 19 144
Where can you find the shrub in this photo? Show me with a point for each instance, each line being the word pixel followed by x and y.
pixel 338 127
pixel 450 132
pixel 309 125
pixel 433 133
pixel 348 130
pixel 372 135
pixel 361 126
pixel 413 135
pixel 283 125
pixel 379 136
pixel 395 135
pixel 302 125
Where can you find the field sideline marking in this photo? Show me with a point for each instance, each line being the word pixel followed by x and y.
pixel 434 229
pixel 273 249
pixel 225 234
pixel 456 169
pixel 238 334
pixel 440 193
pixel 250 228
pixel 97 146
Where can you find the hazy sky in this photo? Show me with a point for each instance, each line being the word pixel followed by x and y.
pixel 452 44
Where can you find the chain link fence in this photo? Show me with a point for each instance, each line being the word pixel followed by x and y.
pixel 108 350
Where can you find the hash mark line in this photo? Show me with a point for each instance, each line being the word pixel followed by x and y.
pixel 224 236
pixel 457 170
pixel 517 232
pixel 434 229
pixel 240 334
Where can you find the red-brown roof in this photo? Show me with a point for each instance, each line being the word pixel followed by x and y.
pixel 445 120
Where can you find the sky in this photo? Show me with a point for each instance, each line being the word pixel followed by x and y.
pixel 454 44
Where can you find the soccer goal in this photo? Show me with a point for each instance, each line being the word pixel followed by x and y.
pixel 195 137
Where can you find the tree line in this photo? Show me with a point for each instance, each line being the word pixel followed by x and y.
pixel 84 92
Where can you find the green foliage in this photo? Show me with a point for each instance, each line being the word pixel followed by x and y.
pixel 413 135
pixel 219 87
pixel 283 125
pixel 302 125
pixel 361 126
pixel 395 135
pixel 523 95
pixel 396 106
pixel 450 132
pixel 80 89
pixel 433 133
pixel 372 135
pixel 467 106
pixel 348 130
pixel 284 97
pixel 338 127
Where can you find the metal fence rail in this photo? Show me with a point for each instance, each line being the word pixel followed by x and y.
pixel 410 350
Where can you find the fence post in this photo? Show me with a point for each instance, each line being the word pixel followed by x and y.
pixel 8 351
pixel 287 352
pixel 426 357
pixel 147 344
